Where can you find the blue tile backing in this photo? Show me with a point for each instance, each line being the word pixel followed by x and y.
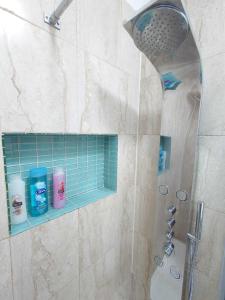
pixel 90 163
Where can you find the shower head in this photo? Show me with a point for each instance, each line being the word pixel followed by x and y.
pixel 159 30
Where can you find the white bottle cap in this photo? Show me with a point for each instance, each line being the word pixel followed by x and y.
pixel 14 177
pixel 59 170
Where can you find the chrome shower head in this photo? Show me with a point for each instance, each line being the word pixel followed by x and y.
pixel 159 30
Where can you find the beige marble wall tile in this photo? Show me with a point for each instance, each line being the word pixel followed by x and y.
pixel 99 230
pixel 45 261
pixel 205 288
pixel 126 193
pixel 102 34
pixel 102 253
pixel 5 274
pixel 128 55
pixel 124 291
pixel 206 19
pixel 100 281
pixel 139 290
pixel 147 68
pixel 213 104
pixel 211 247
pixel 71 90
pixel 145 212
pixel 151 96
pixel 37 70
pixel 108 98
pixel 142 260
pixel 33 12
pixel 210 172
pixel 105 230
pixel 150 105
pixel 98 27
pixel 148 150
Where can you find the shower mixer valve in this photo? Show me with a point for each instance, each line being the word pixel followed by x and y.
pixel 169 246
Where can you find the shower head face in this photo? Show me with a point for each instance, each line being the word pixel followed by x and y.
pixel 160 30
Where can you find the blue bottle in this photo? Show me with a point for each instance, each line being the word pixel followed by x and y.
pixel 38 192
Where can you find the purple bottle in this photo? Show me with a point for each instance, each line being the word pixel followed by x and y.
pixel 59 179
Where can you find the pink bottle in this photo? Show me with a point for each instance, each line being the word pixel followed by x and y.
pixel 59 199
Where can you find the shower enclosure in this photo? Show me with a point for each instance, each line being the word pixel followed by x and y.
pixel 162 32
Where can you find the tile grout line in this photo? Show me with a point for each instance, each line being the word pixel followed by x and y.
pixel 78 48
pixel 211 135
pixel 35 25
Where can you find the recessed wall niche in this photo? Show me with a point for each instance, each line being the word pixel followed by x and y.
pixel 164 154
pixel 89 161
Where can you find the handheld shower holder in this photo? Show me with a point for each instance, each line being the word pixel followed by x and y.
pixel 193 243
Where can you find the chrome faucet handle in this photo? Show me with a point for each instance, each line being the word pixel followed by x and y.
pixel 169 248
pixel 169 235
pixel 171 222
pixel 172 210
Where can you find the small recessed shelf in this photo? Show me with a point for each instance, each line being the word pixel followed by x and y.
pixel 90 163
pixel 164 154
pixel 170 81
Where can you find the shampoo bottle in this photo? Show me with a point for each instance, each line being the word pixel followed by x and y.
pixel 17 201
pixel 38 192
pixel 59 200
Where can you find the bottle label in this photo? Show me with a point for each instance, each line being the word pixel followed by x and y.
pixel 61 190
pixel 17 205
pixel 39 198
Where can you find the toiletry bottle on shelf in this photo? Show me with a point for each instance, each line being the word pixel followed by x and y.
pixel 17 201
pixel 59 188
pixel 160 167
pixel 164 160
pixel 38 192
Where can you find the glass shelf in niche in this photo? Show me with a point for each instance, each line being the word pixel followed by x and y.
pixel 89 161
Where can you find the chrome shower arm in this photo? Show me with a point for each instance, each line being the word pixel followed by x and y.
pixel 53 19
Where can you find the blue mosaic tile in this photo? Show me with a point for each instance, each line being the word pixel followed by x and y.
pixel 90 163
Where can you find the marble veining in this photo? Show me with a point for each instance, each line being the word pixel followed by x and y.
pixel 105 230
pixel 26 101
pixel 33 12
pixel 85 78
pixel 110 99
pixel 206 20
pixel 213 103
pixel 45 260
pixel 5 274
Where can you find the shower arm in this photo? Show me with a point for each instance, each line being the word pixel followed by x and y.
pixel 53 19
